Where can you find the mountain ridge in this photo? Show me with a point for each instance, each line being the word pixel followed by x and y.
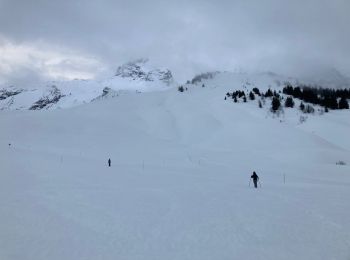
pixel 142 76
pixel 136 76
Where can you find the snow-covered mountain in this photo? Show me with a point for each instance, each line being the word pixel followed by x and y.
pixel 141 70
pixel 139 76
pixel 142 76
pixel 178 187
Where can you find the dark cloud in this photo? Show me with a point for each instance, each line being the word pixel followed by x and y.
pixel 190 36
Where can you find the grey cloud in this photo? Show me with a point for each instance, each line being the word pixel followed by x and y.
pixel 191 36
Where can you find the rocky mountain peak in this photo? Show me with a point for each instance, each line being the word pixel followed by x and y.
pixel 141 69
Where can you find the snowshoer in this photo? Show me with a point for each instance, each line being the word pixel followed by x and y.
pixel 109 162
pixel 255 178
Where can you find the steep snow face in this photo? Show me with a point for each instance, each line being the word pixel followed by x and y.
pixel 6 93
pixel 49 99
pixel 139 76
pixel 178 187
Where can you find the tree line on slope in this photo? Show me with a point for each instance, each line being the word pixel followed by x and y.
pixel 325 97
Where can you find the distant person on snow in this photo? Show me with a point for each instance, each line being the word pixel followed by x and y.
pixel 255 178
pixel 109 162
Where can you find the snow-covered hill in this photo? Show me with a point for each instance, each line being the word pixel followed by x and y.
pixel 238 80
pixel 140 76
pixel 178 187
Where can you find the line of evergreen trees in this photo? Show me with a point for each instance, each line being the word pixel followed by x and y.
pixel 326 97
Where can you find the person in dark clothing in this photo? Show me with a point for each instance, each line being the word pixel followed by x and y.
pixel 255 178
pixel 109 162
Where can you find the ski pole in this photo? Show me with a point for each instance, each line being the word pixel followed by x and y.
pixel 259 183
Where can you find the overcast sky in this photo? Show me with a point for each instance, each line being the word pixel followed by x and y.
pixel 46 39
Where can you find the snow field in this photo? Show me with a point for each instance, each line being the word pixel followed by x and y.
pixel 178 185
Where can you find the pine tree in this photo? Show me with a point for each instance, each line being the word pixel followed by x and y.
pixel 288 90
pixel 256 91
pixel 297 92
pixel 343 103
pixel 289 102
pixel 268 93
pixel 275 104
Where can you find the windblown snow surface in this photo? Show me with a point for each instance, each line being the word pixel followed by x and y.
pixel 178 187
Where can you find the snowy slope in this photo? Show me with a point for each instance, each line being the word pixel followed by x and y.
pixel 178 185
pixel 137 76
pixel 140 76
pixel 243 80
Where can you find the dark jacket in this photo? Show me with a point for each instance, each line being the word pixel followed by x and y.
pixel 255 177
